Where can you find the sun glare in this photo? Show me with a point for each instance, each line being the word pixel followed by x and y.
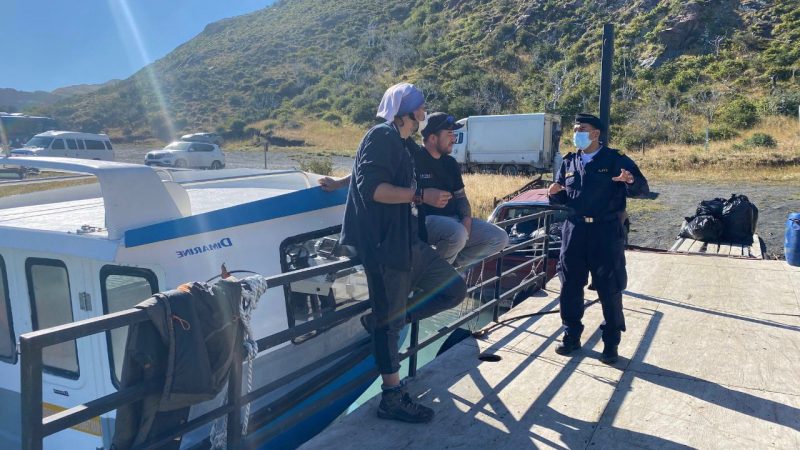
pixel 129 33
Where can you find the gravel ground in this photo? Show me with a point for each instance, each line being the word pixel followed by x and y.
pixel 658 223
pixel 655 222
pixel 238 159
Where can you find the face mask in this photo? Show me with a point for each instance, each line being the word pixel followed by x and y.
pixel 581 140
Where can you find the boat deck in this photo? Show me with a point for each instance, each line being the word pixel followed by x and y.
pixel 69 216
pixel 709 360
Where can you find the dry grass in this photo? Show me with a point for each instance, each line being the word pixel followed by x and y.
pixel 483 189
pixel 27 188
pixel 320 137
pixel 729 160
pixel 644 206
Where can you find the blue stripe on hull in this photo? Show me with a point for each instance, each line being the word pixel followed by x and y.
pixel 296 202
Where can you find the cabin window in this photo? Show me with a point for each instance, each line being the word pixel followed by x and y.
pixel 108 145
pixel 8 347
pixel 314 297
pixel 58 144
pixel 92 144
pixel 459 138
pixel 81 145
pixel 48 287
pixel 72 144
pixel 123 288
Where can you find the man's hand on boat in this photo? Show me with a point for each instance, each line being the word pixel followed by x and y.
pixel 331 184
pixel 554 189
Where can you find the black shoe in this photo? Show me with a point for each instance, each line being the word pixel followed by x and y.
pixel 368 322
pixel 568 345
pixel 610 355
pixel 398 405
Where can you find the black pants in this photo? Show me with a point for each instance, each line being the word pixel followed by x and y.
pixel 598 248
pixel 440 288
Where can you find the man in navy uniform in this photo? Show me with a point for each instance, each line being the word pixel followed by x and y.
pixel 594 183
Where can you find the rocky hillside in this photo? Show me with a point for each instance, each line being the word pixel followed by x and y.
pixel 679 66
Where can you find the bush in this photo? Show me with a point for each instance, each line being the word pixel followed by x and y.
pixel 761 140
pixel 739 113
pixel 319 166
pixel 332 118
pixel 721 133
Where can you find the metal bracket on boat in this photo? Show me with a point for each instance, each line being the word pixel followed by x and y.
pixel 85 301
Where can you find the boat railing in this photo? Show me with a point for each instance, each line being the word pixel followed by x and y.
pixel 35 427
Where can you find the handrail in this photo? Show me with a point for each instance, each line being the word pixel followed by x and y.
pixel 35 428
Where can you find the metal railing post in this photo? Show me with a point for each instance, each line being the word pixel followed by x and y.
pixel 499 275
pixel 31 413
pixel 412 360
pixel 235 394
pixel 546 247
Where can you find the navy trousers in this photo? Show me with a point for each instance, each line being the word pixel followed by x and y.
pixel 598 248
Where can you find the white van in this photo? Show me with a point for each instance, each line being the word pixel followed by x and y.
pixel 68 144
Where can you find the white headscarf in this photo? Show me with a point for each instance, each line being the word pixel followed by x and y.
pixel 392 102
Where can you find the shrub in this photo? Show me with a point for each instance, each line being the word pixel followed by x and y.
pixel 332 118
pixel 739 113
pixel 322 166
pixel 721 133
pixel 761 140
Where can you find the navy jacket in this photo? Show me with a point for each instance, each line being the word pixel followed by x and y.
pixel 590 191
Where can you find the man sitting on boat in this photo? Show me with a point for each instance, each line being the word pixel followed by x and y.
pixel 458 237
pixel 380 223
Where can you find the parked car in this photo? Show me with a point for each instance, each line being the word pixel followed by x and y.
pixel 184 154
pixel 68 144
pixel 210 138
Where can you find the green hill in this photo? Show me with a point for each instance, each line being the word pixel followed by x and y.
pixel 678 66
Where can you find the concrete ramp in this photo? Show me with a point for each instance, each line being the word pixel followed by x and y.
pixel 711 359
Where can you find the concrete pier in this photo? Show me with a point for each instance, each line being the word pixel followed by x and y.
pixel 711 359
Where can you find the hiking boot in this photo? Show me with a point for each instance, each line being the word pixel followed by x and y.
pixel 398 405
pixel 610 355
pixel 568 345
pixel 368 322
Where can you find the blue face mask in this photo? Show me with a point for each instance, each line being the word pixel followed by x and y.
pixel 581 140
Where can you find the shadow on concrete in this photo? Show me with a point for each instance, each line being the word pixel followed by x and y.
pixel 769 323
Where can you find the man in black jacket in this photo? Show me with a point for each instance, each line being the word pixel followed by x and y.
pixel 380 223
pixel 594 182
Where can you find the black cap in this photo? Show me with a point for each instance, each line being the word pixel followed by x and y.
pixel 440 121
pixel 590 119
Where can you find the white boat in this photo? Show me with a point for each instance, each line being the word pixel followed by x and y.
pixel 91 249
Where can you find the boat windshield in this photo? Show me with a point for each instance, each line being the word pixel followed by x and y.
pixel 178 146
pixel 39 142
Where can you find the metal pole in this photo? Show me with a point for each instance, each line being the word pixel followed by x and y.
pixel 412 360
pixel 546 247
pixel 498 274
pixel 606 68
pixel 235 393
pixel 31 372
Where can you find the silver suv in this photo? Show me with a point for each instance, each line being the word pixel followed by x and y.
pixel 187 154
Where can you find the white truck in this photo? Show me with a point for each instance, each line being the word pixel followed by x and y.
pixel 509 144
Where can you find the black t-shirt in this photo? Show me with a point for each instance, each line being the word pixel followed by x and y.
pixel 442 173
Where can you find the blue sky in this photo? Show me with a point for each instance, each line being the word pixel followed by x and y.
pixel 47 44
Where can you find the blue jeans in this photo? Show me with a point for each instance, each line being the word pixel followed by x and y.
pixel 452 243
